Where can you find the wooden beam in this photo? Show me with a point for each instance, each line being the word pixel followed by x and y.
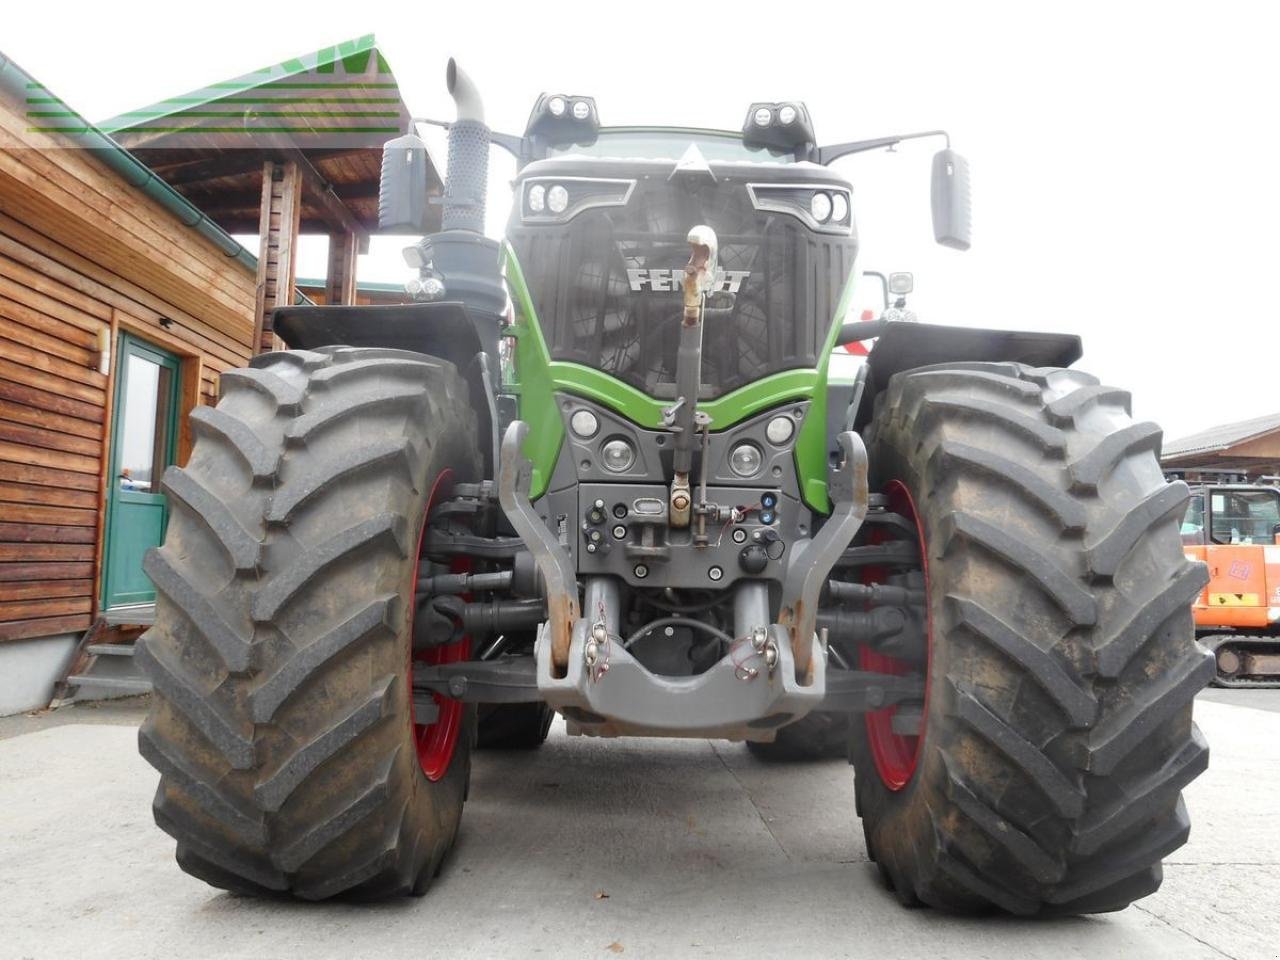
pixel 230 163
pixel 278 245
pixel 340 281
pixel 243 201
pixel 322 192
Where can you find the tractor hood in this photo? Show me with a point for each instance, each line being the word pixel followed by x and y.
pixel 602 245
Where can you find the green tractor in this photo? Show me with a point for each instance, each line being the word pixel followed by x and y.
pixel 600 469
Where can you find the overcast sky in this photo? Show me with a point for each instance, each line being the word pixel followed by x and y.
pixel 1124 156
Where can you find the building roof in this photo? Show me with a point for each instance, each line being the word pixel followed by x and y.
pixel 49 114
pixel 330 111
pixel 1221 437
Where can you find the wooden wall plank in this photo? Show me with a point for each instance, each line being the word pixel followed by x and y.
pixel 44 572
pixel 13 386
pixel 53 607
pixel 82 382
pixel 33 495
pixel 49 439
pixel 20 471
pixel 68 336
pixel 44 533
pixel 50 626
pixel 56 459
pixel 30 552
pixel 43 513
pixel 45 420
pixel 49 588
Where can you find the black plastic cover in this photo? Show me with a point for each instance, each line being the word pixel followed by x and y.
pixel 906 346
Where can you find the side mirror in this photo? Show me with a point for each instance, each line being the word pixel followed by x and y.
pixel 403 206
pixel 950 199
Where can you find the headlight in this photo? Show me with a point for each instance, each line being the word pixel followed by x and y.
pixel 823 207
pixel 617 455
pixel 787 114
pixel 556 106
pixel 581 110
pixel 745 460
pixel 779 430
pixel 584 423
pixel 839 208
pixel 820 207
pixel 763 116
pixel 547 200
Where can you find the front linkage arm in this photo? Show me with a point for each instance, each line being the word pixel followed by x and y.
pixel 808 571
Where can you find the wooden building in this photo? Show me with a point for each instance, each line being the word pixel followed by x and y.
pixel 1250 448
pixel 121 303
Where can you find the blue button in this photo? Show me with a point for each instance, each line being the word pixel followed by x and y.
pixel 768 500
pixel 766 516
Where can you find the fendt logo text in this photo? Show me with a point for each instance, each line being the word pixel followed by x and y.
pixel 662 280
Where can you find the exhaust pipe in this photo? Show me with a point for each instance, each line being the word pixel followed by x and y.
pixel 464 93
pixel 468 171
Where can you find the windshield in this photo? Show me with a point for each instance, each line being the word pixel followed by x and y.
pixel 636 144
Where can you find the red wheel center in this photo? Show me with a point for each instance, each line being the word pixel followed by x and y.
pixel 897 755
pixel 436 739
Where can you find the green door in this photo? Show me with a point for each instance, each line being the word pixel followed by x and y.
pixel 143 434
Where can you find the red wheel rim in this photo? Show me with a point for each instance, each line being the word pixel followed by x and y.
pixel 436 742
pixel 897 756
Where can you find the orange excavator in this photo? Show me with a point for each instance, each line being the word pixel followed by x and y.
pixel 1233 526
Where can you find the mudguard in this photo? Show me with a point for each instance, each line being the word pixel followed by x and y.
pixel 907 346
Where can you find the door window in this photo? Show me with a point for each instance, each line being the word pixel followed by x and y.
pixel 1245 516
pixel 143 433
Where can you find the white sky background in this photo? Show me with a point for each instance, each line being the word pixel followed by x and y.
pixel 1124 156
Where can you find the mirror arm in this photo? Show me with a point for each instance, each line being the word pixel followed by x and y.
pixel 860 330
pixel 825 155
pixel 509 142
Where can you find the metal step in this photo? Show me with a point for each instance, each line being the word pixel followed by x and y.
pixel 110 649
pixel 119 684
pixel 141 614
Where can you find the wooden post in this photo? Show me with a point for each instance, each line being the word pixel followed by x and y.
pixel 278 224
pixel 340 282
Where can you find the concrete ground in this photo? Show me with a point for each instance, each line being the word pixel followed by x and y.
pixel 587 848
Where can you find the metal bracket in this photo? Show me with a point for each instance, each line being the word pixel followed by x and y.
pixel 809 567
pixel 857 691
pixel 514 478
pixel 506 680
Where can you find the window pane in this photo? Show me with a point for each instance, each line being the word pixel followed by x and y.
pixel 1245 516
pixel 138 435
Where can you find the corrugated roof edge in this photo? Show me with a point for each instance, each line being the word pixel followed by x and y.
pixel 15 80
pixel 1222 436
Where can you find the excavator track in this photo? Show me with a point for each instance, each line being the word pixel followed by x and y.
pixel 1245 660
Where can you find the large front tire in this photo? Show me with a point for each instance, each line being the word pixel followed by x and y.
pixel 1062 663
pixel 282 722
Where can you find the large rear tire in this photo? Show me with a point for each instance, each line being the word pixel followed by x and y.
pixel 282 722
pixel 1062 663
